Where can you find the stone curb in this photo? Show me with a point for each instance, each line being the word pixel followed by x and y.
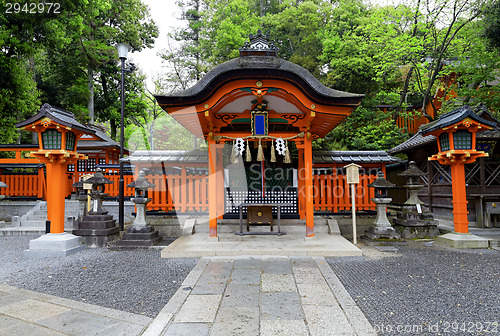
pixel 81 306
pixel 158 325
pixel 355 316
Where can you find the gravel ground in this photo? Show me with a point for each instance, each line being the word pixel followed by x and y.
pixel 425 289
pixel 134 281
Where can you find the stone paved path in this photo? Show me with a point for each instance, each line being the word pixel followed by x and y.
pixel 226 296
pixel 24 312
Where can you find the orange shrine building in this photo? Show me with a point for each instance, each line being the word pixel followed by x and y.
pixel 254 111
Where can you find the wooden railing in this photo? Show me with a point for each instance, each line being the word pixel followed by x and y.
pixel 331 193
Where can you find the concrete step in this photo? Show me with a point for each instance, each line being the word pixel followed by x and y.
pixel 37 218
pixel 290 225
pixel 33 224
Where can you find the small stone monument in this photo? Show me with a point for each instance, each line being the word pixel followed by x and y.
pixel 414 220
pixel 97 228
pixel 381 228
pixel 3 185
pixel 140 234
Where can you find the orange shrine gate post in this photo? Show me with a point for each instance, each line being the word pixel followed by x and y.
pixel 58 132
pixel 261 100
pixel 456 134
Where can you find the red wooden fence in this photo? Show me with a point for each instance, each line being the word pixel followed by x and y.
pixel 333 194
pixel 189 193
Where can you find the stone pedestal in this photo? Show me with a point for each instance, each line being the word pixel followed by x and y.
pixel 54 245
pixel 97 228
pixel 140 235
pixel 381 228
pixel 413 224
pixel 463 240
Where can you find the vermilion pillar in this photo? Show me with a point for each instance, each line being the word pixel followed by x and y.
pixel 459 198
pixel 212 188
pixel 56 192
pixel 308 172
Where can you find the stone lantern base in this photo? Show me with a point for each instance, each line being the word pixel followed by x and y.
pixel 97 230
pixel 412 224
pixel 381 228
pixel 136 238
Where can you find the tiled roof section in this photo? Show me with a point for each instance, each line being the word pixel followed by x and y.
pixel 59 115
pixel 419 139
pixel 318 157
pixel 168 156
pixel 105 140
pixel 353 157
pixel 415 141
pixel 454 117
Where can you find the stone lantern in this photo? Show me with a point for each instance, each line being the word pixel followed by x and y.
pixel 141 186
pixel 3 185
pixel 456 135
pixel 98 227
pixel 413 175
pixel 381 228
pixel 414 220
pixel 58 132
pixel 140 234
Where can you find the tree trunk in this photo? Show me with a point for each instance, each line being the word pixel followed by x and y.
pixel 112 125
pixel 90 102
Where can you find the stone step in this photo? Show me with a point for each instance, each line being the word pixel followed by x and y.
pixel 37 217
pixel 33 224
pixel 203 228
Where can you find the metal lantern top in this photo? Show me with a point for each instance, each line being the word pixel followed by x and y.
pixel 381 185
pixel 141 185
pixel 79 188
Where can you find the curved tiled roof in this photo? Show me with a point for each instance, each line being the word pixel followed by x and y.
pixel 262 67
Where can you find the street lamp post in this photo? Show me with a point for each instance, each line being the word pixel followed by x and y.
pixel 122 53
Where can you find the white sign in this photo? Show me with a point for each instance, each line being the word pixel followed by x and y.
pixel 87 186
pixel 352 173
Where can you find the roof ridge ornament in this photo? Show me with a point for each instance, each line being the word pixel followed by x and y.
pixel 259 45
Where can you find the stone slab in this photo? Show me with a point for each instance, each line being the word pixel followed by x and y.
pixel 32 310
pixel 229 244
pixel 184 329
pixel 74 322
pixel 236 321
pixel 316 294
pixel 281 306
pixel 54 245
pixel 327 321
pixel 241 295
pixel 199 308
pixel 283 328
pixel 466 241
pixel 278 283
pixel 246 276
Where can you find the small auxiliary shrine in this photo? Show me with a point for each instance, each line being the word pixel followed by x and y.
pixel 254 111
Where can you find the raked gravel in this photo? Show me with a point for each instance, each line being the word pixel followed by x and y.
pixel 425 289
pixel 134 281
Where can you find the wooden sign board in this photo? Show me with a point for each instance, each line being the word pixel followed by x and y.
pixel 87 186
pixel 352 173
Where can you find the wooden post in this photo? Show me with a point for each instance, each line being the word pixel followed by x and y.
pixel 309 185
pixel 212 188
pixel 459 198
pixel 55 196
pixel 219 170
pixel 300 184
